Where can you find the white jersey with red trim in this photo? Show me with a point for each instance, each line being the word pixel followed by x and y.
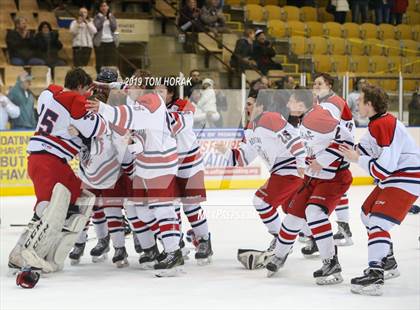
pixel 276 141
pixel 148 117
pixel 57 110
pixel 390 154
pixel 323 133
pixel 190 160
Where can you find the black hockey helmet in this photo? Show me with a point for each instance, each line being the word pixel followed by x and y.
pixel 107 75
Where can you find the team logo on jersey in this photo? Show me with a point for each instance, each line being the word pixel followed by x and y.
pixel 380 202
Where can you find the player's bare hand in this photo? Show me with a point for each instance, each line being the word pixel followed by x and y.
pixel 92 105
pixel 220 147
pixel 73 131
pixel 349 153
pixel 301 172
pixel 315 167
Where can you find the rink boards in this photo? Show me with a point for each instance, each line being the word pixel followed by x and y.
pixel 13 160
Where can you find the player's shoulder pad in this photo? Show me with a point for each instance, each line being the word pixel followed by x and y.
pixel 54 89
pixel 150 101
pixel 185 105
pixel 319 120
pixel 272 121
pixel 339 102
pixel 383 129
pixel 346 115
pixel 73 102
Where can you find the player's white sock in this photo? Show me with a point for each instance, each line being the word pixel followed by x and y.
pixel 379 241
pixel 168 225
pixel 99 223
pixel 320 226
pixel 82 237
pixel 268 215
pixel 289 230
pixel 306 230
pixel 342 209
pixel 143 232
pixel 197 219
pixel 115 221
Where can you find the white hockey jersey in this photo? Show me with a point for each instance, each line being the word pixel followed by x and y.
pixel 105 159
pixel 323 133
pixel 190 160
pixel 277 142
pixel 57 110
pixel 390 154
pixel 148 117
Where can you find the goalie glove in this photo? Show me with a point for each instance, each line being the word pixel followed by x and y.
pixel 253 259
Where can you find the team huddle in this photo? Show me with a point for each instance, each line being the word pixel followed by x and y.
pixel 139 160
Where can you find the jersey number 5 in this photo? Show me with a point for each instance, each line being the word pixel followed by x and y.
pixel 285 136
pixel 48 121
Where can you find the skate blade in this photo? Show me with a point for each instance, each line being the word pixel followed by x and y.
pixel 74 262
pixel 148 265
pixel 99 259
pixel 335 278
pixel 122 263
pixel 391 274
pixel 204 261
pixel 311 256
pixel 169 273
pixel 371 290
pixel 343 242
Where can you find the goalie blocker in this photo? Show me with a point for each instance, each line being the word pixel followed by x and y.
pixel 50 239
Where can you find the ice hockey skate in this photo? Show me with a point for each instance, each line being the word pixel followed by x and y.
pixel 204 252
pixel 371 283
pixel 77 253
pixel 343 236
pixel 170 266
pixel 100 252
pixel 274 264
pixel 120 257
pixel 149 257
pixel 311 249
pixel 330 272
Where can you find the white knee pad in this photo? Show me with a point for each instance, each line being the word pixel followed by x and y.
pixel 380 222
pixel 258 202
pixel 145 214
pixel 165 212
pixel 313 211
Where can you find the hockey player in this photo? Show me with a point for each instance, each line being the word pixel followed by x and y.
pixel 59 213
pixel 327 178
pixel 279 145
pixel 391 156
pixel 154 183
pixel 190 175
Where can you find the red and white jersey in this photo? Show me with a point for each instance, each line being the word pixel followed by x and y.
pixel 57 110
pixel 390 154
pixel 190 161
pixel 323 133
pixel 102 162
pixel 148 117
pixel 276 141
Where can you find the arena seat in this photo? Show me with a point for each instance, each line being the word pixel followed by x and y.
pixel 308 13
pixel 48 17
pixel 403 32
pixel 254 13
pixel 410 48
pixel 355 46
pixel 368 31
pixel 299 45
pixel 296 28
pixel 318 45
pixel 392 47
pixel 359 64
pixel 322 63
pixel 28 5
pixel 337 46
pixel 412 18
pixel 373 47
pixel 277 28
pixel 416 33
pixel 11 73
pixel 60 73
pixel 379 64
pixel 324 16
pixel 290 13
pixel 386 31
pixel 340 63
pixel 351 30
pixel 272 12
pixel 332 29
pixel 314 29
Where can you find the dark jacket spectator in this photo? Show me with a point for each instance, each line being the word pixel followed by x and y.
pixel 212 17
pixel 21 95
pixel 48 45
pixel 242 55
pixel 189 17
pixel 398 10
pixel 263 52
pixel 195 83
pixel 382 10
pixel 359 7
pixel 105 38
pixel 21 44
pixel 414 110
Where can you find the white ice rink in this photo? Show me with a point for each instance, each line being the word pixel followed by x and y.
pixel 224 284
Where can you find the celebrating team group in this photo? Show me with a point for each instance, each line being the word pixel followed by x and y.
pixel 139 159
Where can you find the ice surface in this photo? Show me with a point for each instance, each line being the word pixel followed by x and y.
pixel 224 284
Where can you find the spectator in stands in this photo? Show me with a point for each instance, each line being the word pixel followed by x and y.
pixel 206 114
pixel 195 83
pixel 48 45
pixel 83 31
pixel 398 10
pixel 21 45
pixel 21 95
pixel 189 17
pixel 414 109
pixel 212 17
pixel 359 7
pixel 105 39
pixel 263 52
pixel 341 9
pixel 242 55
pixel 8 110
pixel 382 11
pixel 249 107
pixel 352 102
pixel 255 86
pixel 287 82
